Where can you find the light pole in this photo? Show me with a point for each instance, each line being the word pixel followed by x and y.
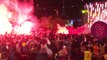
pixel 63 8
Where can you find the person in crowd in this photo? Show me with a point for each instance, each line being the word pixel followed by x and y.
pixel 101 49
pixel 105 52
pixel 3 51
pixel 63 53
pixel 96 51
pixel 32 50
pixel 24 51
pixel 12 52
pixel 87 54
pixel 44 53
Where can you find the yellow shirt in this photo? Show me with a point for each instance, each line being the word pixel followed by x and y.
pixel 87 55
pixel 105 56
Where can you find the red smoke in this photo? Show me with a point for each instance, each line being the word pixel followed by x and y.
pixel 62 30
pixel 16 17
pixel 71 30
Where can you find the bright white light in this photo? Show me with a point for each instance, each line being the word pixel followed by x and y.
pixel 97 12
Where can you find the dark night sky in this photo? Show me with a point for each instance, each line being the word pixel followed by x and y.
pixel 72 8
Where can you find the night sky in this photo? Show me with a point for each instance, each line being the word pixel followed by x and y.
pixel 65 8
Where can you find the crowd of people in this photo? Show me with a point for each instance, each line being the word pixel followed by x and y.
pixel 52 47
